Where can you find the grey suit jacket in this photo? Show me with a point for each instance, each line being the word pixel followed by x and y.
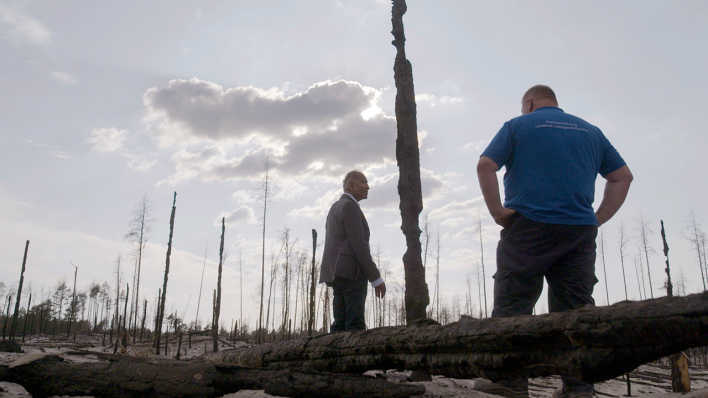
pixel 346 251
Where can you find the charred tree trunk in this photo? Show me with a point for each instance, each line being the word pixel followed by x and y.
pixel 72 308
pixel 408 158
pixel 27 314
pixel 680 381
pixel 592 343
pixel 161 306
pixel 313 286
pixel 142 327
pixel 19 294
pixel 137 377
pixel 217 303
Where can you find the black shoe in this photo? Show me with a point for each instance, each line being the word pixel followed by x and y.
pixel 491 387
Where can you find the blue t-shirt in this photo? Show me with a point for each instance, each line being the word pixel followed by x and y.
pixel 552 160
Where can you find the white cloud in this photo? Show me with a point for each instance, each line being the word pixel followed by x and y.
pixel 454 208
pixel 384 190
pixel 475 145
pixel 242 215
pixel 107 139
pixel 142 166
pixel 435 100
pixel 64 77
pixel 21 26
pixel 321 131
pixel 243 197
pixel 320 208
pixel 60 155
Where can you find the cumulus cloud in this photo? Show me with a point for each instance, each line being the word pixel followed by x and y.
pixel 141 166
pixel 204 110
pixel 21 26
pixel 330 128
pixel 242 215
pixel 107 139
pixel 321 206
pixel 242 196
pixel 435 100
pixel 64 77
pixel 384 190
pixel 59 154
pixel 456 208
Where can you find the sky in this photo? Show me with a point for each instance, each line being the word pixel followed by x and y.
pixel 104 102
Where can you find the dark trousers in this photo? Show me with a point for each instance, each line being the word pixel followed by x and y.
pixel 348 303
pixel 527 252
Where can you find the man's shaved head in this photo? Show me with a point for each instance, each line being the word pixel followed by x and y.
pixel 540 92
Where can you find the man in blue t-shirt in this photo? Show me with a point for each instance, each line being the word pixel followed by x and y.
pixel 552 160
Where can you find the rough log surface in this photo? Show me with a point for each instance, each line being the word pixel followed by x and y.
pixel 592 343
pixel 132 377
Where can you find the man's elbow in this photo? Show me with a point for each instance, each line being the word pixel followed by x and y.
pixel 621 175
pixel 486 165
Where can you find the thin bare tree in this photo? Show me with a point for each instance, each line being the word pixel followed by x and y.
pixel 217 303
pixel 480 238
pixel 139 233
pixel 604 267
pixel 72 307
pixel 199 300
pixel 263 198
pixel 161 311
pixel 240 280
pixel 692 231
pixel 19 294
pixel 623 239
pixel 644 231
pixel 313 286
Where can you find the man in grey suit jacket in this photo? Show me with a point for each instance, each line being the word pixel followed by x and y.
pixel 346 262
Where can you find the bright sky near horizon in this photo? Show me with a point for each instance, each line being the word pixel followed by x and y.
pixel 102 102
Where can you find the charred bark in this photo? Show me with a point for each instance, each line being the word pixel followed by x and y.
pixel 161 303
pixel 19 294
pixel 217 299
pixel 408 158
pixel 138 377
pixel 593 343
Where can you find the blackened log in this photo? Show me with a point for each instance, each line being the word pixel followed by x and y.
pixel 408 159
pixel 132 377
pixel 593 343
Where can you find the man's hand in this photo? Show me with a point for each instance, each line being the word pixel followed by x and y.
pixel 503 216
pixel 380 290
pixel 616 189
pixel 487 174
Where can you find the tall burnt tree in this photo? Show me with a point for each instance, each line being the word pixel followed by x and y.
pixel 161 307
pixel 311 318
pixel 217 302
pixel 408 158
pixel 19 294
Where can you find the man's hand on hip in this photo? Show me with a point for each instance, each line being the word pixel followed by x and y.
pixel 503 216
pixel 380 290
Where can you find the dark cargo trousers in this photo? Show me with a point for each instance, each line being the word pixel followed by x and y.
pixel 527 252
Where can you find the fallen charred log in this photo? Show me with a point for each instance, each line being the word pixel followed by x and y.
pixel 592 343
pixel 132 377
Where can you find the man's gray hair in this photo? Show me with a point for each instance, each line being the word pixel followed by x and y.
pixel 539 92
pixel 351 176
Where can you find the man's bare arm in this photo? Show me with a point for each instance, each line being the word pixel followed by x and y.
pixel 616 189
pixel 487 174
